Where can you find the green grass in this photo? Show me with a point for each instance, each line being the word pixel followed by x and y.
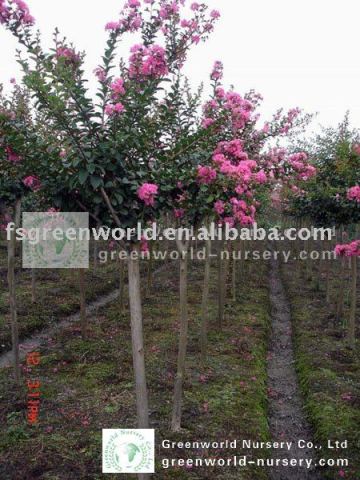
pixel 88 385
pixel 329 373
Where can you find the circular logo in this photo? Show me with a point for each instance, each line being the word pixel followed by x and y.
pixel 127 451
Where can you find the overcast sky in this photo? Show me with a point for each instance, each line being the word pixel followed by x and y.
pixel 302 54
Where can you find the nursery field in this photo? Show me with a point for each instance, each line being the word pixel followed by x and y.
pixel 87 385
pixel 179 279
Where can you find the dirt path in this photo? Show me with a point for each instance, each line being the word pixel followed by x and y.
pixel 286 416
pixel 42 337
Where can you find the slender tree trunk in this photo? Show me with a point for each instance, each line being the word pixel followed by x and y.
pixel 137 339
pixel 121 286
pixel 12 294
pixel 221 286
pixel 82 289
pixel 149 277
pixel 234 268
pixel 352 325
pixel 184 321
pixel 204 304
pixel 340 296
pixel 33 285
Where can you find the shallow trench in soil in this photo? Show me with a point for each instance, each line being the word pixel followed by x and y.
pixel 287 419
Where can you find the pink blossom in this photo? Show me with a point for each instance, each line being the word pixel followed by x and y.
pixel 112 26
pixel 134 3
pixel 117 86
pixel 12 156
pixel 62 153
pixel 348 250
pixel 68 54
pixel 147 193
pixel 341 473
pixel 179 213
pixel 219 207
pixel 217 72
pixel 215 14
pixel 100 74
pixel 195 6
pixel 114 109
pixel 206 175
pixel 207 122
pixel 356 149
pixel 261 177
pixel 147 62
pixel 354 193
pixel 32 182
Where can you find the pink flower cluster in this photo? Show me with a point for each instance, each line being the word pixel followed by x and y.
pixel 12 156
pixel 68 54
pixel 218 71
pixel 17 12
pixel 117 87
pixel 147 193
pixel 100 74
pixel 354 193
pixel 349 249
pixel 206 175
pixel 299 163
pixel 114 109
pixel 147 62
pixel 32 182
pixel 356 148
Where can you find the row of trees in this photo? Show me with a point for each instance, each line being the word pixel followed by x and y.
pixel 147 148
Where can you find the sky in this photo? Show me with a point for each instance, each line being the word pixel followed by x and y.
pixel 302 54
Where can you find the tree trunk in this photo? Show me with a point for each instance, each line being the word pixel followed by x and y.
pixel 82 289
pixel 149 272
pixel 12 294
pixel 121 286
pixel 351 327
pixel 340 296
pixel 184 321
pixel 221 286
pixel 33 285
pixel 137 340
pixel 204 304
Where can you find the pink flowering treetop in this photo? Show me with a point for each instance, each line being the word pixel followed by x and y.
pixel 121 151
pixel 332 197
pixel 22 150
pixel 230 173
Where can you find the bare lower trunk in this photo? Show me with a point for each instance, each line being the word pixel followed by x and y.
pixel 82 289
pixel 121 286
pixel 137 340
pixel 221 286
pixel 33 285
pixel 340 297
pixel 204 304
pixel 234 268
pixel 184 320
pixel 149 272
pixel 12 294
pixel 328 284
pixel 351 327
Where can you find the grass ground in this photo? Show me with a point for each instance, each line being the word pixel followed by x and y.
pixel 329 372
pixel 88 385
pixel 56 296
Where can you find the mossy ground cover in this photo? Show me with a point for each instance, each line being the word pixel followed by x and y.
pixel 88 385
pixel 328 370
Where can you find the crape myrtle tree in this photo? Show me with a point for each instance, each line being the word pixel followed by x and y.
pixel 21 154
pixel 331 199
pixel 117 148
pixel 220 181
